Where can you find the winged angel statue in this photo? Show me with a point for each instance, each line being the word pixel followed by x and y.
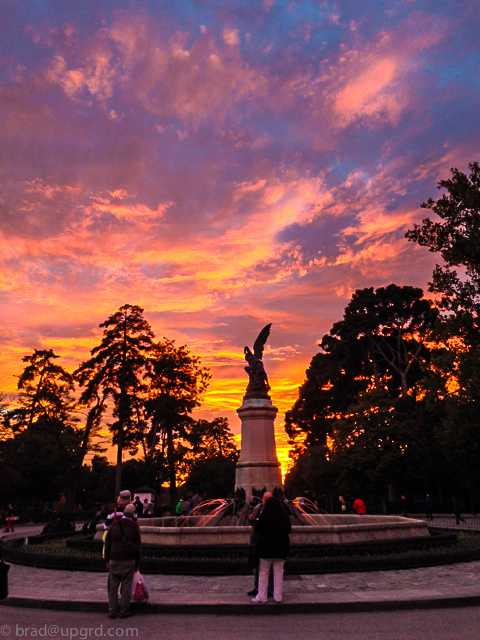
pixel 258 386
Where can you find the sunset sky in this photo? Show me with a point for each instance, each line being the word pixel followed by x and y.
pixel 222 164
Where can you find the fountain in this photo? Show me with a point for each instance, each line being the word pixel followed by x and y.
pixel 217 523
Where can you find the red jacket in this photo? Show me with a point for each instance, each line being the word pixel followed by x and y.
pixel 359 507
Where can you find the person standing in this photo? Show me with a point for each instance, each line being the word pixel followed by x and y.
pixel 9 516
pixel 428 508
pixel 138 507
pixel 122 557
pixel 185 507
pixel 254 517
pixel 124 499
pixel 273 529
pixel 457 510
pixel 196 501
pixel 348 504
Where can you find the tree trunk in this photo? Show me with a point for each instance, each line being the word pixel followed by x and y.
pixel 70 491
pixel 122 410
pixel 118 473
pixel 171 470
pixel 384 505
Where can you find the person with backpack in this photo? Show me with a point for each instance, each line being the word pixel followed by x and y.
pixel 122 556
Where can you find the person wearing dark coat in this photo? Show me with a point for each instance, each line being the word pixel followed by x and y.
pixel 457 510
pixel 428 508
pixel 273 529
pixel 122 561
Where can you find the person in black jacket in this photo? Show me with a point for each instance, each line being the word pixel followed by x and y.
pixel 273 529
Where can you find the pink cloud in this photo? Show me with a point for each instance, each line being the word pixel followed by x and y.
pixel 167 77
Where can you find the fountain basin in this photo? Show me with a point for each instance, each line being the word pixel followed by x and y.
pixel 325 529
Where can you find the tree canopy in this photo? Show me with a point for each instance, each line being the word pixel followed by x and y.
pixel 175 383
pixel 145 390
pixel 115 370
pixel 456 237
pixel 380 343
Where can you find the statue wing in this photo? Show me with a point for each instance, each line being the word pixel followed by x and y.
pixel 260 341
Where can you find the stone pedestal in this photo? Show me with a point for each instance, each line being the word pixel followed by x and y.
pixel 258 465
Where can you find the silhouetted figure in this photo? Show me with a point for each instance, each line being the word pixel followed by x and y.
pixel 90 526
pixel 258 386
pixel 428 508
pixel 9 516
pixel 138 507
pixel 457 510
pixel 273 529
pixel 348 504
pixel 254 517
pixel 51 526
pixel 278 493
pixel 371 506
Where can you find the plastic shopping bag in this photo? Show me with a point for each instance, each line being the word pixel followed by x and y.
pixel 103 540
pixel 139 588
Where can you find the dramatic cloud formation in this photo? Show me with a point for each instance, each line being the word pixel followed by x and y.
pixel 223 165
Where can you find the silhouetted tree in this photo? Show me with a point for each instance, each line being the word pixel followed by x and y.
pixel 212 439
pixel 176 382
pixel 214 477
pixel 115 372
pixel 380 343
pixel 456 237
pixel 46 406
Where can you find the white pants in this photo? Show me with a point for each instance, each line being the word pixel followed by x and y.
pixel 263 571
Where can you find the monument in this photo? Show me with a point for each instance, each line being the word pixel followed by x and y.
pixel 258 466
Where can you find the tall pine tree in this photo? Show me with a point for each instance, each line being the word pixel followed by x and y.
pixel 115 372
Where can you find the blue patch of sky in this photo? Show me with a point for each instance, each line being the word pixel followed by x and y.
pixel 19 19
pixel 275 126
pixel 464 70
pixel 57 13
pixel 337 170
pixel 277 28
pixel 317 236
pixel 15 42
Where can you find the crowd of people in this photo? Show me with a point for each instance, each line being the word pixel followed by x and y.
pixel 185 506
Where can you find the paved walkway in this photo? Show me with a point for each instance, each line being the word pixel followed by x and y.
pixel 449 585
pixel 444 586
